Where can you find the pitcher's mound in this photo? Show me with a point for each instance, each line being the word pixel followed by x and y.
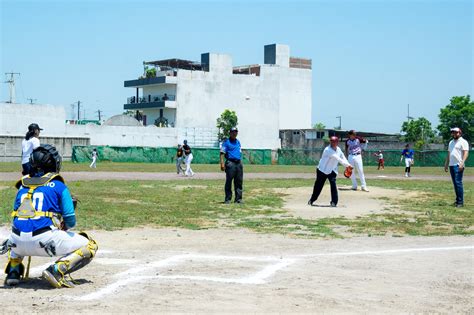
pixel 351 203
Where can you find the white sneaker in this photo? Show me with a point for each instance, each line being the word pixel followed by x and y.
pixel 406 174
pixel 365 189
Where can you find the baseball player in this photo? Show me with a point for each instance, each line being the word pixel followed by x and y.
pixel 94 159
pixel 354 153
pixel 28 144
pixel 380 160
pixel 179 158
pixel 43 213
pixel 189 158
pixel 327 169
pixel 408 154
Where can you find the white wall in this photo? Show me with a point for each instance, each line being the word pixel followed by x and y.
pixel 15 118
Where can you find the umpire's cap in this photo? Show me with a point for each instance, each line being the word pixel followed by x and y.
pixel 234 129
pixel 33 127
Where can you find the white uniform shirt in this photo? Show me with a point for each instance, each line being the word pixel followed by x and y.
pixel 330 160
pixel 456 148
pixel 27 147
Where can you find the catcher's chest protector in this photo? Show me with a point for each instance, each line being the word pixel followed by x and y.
pixel 27 210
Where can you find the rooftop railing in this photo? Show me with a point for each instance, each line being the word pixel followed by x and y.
pixel 151 98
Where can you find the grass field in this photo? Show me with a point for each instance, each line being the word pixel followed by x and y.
pixel 198 204
pixel 155 167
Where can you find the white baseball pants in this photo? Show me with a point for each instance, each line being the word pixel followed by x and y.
pixel 189 171
pixel 28 245
pixel 93 164
pixel 356 162
pixel 408 162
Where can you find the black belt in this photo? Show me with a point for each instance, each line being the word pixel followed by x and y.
pixel 36 232
pixel 234 160
pixel 355 153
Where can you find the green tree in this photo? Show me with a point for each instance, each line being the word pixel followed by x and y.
pixel 459 113
pixel 418 131
pixel 319 126
pixel 227 120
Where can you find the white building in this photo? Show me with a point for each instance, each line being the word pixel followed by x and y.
pixel 266 97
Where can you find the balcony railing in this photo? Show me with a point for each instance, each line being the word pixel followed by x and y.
pixel 151 98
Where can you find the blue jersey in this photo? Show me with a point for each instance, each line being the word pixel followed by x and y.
pixel 52 197
pixel 232 149
pixel 408 153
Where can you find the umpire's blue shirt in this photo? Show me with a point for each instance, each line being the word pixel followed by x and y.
pixel 52 197
pixel 232 149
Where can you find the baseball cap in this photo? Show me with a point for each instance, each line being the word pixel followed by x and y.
pixel 34 126
pixel 234 129
pixel 456 129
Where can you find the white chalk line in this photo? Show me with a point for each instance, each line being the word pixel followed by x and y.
pixel 389 251
pixel 131 277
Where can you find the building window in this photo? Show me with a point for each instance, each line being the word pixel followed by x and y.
pixel 310 135
pixel 319 134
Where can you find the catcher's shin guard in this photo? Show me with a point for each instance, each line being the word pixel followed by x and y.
pixel 70 263
pixel 15 270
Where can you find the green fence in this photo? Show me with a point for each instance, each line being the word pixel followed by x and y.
pixel 250 156
pixel 163 155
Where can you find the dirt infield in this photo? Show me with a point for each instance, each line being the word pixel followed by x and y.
pixel 168 270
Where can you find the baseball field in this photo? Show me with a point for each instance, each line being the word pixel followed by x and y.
pixel 167 243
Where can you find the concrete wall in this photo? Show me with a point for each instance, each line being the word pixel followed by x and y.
pixel 15 118
pixel 10 146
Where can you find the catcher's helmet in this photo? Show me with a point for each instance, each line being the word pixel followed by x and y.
pixel 45 158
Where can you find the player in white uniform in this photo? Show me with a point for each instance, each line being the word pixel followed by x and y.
pixel 94 159
pixel 354 155
pixel 28 144
pixel 189 158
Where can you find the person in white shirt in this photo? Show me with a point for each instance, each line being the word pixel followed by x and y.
pixel 327 169
pixel 28 144
pixel 94 159
pixel 458 151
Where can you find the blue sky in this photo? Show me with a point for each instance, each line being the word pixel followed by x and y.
pixel 370 58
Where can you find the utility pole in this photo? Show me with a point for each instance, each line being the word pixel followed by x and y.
pixel 340 122
pixel 78 110
pixel 408 115
pixel 99 112
pixel 32 100
pixel 11 83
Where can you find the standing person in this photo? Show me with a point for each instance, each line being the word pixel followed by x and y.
pixel 380 160
pixel 43 212
pixel 28 144
pixel 179 158
pixel 409 155
pixel 327 169
pixel 354 155
pixel 231 150
pixel 189 158
pixel 458 151
pixel 94 159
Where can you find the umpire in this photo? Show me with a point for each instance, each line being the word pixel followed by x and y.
pixel 233 168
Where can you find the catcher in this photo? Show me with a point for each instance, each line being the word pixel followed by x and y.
pixel 327 169
pixel 43 212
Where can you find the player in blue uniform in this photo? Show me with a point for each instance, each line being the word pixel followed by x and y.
pixel 409 155
pixel 43 212
pixel 234 171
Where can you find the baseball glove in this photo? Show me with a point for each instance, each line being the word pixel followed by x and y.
pixel 348 172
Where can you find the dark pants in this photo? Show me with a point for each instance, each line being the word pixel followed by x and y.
pixel 456 176
pixel 26 168
pixel 319 183
pixel 233 171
